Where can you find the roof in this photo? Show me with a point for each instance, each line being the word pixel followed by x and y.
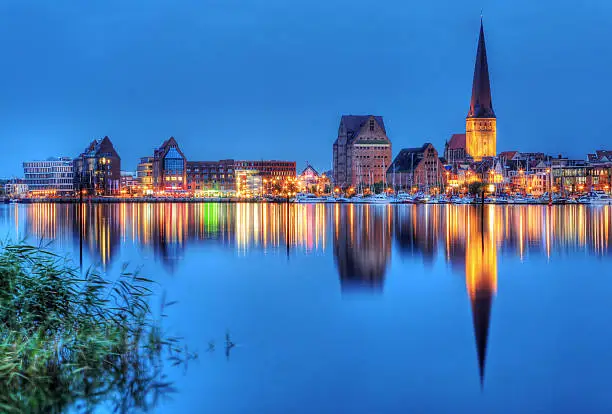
pixel 309 167
pixel 100 146
pixel 481 105
pixel 507 155
pixel 353 123
pixel 457 141
pixel 408 159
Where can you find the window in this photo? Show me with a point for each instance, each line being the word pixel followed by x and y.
pixel 173 162
pixel 371 125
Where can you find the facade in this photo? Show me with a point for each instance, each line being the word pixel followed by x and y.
pixel 129 183
pixel 311 181
pixel 417 167
pixel 362 151
pixel 169 167
pixel 481 122
pixel 269 169
pixel 97 170
pixel 210 175
pixel 16 188
pixel 455 149
pixel 144 175
pixel 51 176
pixel 248 183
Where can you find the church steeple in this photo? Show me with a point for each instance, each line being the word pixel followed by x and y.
pixel 481 105
pixel 481 122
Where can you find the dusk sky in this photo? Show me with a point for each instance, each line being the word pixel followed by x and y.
pixel 270 79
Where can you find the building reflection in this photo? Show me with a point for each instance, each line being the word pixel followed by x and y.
pixel 361 235
pixel 362 245
pixel 481 274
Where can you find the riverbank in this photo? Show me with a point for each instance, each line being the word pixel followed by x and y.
pixel 356 200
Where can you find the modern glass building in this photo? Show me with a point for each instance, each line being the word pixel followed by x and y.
pixel 169 167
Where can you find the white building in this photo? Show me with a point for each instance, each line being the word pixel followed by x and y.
pixel 16 188
pixel 49 177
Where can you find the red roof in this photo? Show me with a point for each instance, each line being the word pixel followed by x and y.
pixel 457 141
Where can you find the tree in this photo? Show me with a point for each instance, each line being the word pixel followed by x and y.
pixel 476 188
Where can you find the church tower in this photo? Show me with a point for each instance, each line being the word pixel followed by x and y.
pixel 480 123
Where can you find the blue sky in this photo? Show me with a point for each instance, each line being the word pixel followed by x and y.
pixel 270 79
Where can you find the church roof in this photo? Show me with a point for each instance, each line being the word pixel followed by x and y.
pixel 457 141
pixel 481 105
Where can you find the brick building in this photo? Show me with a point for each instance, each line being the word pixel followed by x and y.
pixel 210 175
pixel 269 169
pixel 417 167
pixel 362 151
pixel 455 150
pixel 97 170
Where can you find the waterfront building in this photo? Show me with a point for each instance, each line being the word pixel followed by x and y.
pixel 210 176
pixel 144 175
pixel 481 122
pixel 128 182
pixel 269 169
pixel 248 183
pixel 169 167
pixel 362 151
pixel 417 168
pixel 53 176
pixel 97 170
pixel 311 181
pixel 16 188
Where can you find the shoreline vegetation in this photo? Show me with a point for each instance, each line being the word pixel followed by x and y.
pixel 72 341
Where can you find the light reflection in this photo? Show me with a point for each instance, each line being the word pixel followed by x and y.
pixel 423 231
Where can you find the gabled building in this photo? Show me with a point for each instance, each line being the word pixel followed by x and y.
pixel 169 167
pixel 455 150
pixel 417 167
pixel 311 181
pixel 481 122
pixel 362 151
pixel 97 170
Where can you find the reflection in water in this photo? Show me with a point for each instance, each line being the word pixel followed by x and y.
pixel 362 245
pixel 468 238
pixel 361 234
pixel 481 275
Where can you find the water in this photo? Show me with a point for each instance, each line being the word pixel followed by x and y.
pixel 365 309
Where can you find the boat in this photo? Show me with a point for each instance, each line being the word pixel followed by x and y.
pixel 403 198
pixel 378 199
pixel 308 198
pixel 596 198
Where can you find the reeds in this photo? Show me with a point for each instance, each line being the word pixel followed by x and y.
pixel 72 341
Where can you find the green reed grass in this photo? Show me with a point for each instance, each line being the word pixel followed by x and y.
pixel 73 341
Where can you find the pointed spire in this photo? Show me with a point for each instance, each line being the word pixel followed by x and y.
pixel 481 105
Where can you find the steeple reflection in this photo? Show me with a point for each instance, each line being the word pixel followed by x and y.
pixel 481 275
pixel 362 245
